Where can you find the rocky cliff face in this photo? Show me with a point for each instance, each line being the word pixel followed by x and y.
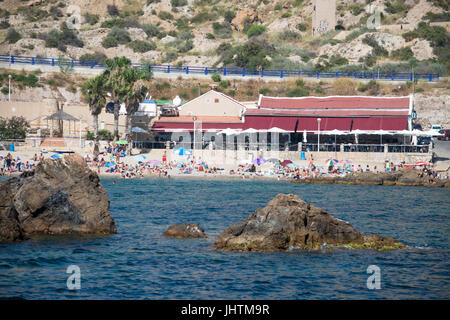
pixel 287 222
pixel 58 197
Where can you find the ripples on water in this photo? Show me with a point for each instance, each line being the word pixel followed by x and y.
pixel 139 263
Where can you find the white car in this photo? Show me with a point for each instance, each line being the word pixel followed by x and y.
pixel 436 127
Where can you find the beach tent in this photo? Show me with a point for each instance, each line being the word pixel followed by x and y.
pixel 259 161
pixel 228 132
pixel 110 164
pixel 121 142
pixel 286 162
pixel 182 151
pixel 140 157
pixel 292 165
pixel 57 156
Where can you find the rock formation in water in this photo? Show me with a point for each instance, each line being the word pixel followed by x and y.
pixel 402 177
pixel 185 230
pixel 58 197
pixel 287 222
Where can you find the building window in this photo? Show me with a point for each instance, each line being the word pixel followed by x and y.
pixel 216 100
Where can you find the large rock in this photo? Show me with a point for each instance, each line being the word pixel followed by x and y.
pixel 58 197
pixel 287 222
pixel 185 230
pixel 402 177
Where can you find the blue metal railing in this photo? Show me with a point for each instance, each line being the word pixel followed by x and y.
pixel 230 71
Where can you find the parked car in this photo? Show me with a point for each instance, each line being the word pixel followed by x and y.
pixel 436 127
pixel 446 135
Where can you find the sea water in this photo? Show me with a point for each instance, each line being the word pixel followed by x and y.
pixel 139 263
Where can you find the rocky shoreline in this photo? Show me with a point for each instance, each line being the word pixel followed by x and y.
pixel 402 177
pixel 57 197
pixel 289 223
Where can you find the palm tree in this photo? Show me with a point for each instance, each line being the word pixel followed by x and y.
pixel 116 83
pixel 136 93
pixel 94 92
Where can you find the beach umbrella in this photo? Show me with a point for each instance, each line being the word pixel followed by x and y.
pixel 420 163
pixel 286 162
pixel 138 130
pixel 228 132
pixel 155 162
pixel 259 161
pixel 57 156
pixel 110 164
pixel 331 162
pixel 182 151
pixel 292 165
pixel 250 130
pixel 140 157
pixel 276 129
pixel 121 142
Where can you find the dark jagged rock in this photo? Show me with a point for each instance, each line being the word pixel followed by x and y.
pixel 58 197
pixel 287 222
pixel 402 177
pixel 185 230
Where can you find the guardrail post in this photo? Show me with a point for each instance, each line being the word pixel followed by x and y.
pixel 53 62
pixel 72 63
pixel 224 71
pixel 168 69
pixel 12 59
pixel 92 64
pixel 32 60
pixel 431 77
pixel 299 74
pixel 243 72
pixel 206 70
pixel 281 74
pixel 355 75
pixel 392 76
pixel 337 74
pixel 262 73
pixel 318 74
pixel 187 69
pixel 411 77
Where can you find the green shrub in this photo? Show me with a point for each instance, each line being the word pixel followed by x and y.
pixel 289 35
pixel 229 15
pixel 4 24
pixel 59 39
pixel 256 30
pixel 116 22
pixel 264 91
pixel 91 18
pixel 13 36
pixel 297 92
pixel 112 10
pixel 417 90
pixel 356 10
pixel 302 27
pixel 141 46
pixel 203 16
pixel 109 42
pixel 178 3
pixel 151 30
pixel 122 36
pixel 394 6
pixel 286 15
pixel 319 90
pixel 216 78
pixel 97 56
pixel 299 83
pixel 164 15
pixel 224 84
pixel 210 36
pixel 403 54
pixel 5 90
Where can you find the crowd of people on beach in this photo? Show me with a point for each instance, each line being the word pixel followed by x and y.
pixel 11 164
pixel 115 160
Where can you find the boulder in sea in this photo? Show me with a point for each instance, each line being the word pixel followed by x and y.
pixel 58 197
pixel 185 230
pixel 288 222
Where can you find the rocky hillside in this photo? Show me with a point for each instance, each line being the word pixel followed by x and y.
pixel 273 34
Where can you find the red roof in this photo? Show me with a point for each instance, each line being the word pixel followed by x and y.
pixel 326 113
pixel 335 102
